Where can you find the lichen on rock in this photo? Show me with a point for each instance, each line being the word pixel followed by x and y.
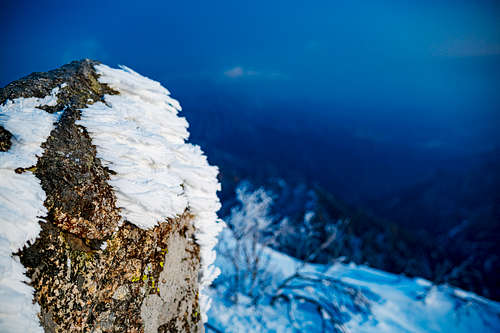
pixel 81 289
pixel 91 269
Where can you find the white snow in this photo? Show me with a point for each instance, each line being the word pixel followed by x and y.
pixel 21 205
pixel 396 303
pixel 139 135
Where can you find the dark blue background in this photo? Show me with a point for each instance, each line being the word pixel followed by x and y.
pixel 396 85
pixel 392 106
pixel 426 72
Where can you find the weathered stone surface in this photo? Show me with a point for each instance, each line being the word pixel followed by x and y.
pixel 110 290
pixel 90 272
pixel 175 290
pixel 5 139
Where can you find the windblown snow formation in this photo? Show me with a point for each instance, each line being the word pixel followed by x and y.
pixel 107 215
pixel 158 175
pixel 21 205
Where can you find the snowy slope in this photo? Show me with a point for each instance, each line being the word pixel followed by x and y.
pixel 357 298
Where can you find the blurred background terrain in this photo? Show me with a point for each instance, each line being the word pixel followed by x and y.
pixel 383 115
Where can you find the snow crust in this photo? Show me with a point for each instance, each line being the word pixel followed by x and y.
pixel 139 135
pixel 397 303
pixel 21 205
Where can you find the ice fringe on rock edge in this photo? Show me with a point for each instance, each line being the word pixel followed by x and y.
pixel 139 135
pixel 21 203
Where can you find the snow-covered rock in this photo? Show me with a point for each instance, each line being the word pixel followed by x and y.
pixel 108 214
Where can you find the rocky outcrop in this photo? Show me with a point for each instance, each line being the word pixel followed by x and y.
pixel 94 268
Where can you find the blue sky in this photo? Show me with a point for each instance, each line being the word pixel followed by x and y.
pixel 428 65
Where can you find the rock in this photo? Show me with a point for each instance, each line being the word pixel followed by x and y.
pixel 90 270
pixel 121 293
pixel 5 137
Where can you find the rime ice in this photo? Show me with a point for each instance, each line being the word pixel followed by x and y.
pixel 21 204
pixel 139 135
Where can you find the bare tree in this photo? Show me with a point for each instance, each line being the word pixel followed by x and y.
pixel 253 229
pixel 251 233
